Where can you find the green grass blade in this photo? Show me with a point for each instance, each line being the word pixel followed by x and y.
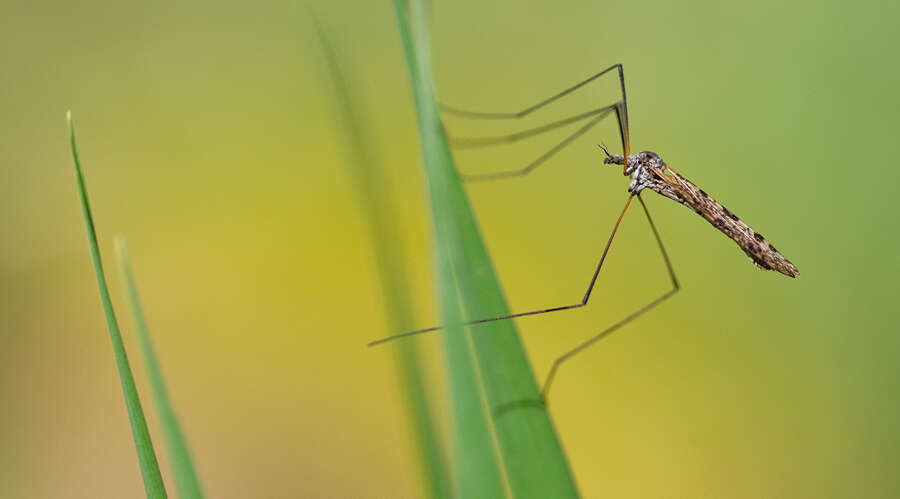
pixel 375 207
pixel 532 456
pixel 476 470
pixel 153 483
pixel 182 466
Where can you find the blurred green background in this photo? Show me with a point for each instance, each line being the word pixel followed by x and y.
pixel 209 138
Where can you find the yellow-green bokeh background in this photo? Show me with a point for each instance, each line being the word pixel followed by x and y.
pixel 208 137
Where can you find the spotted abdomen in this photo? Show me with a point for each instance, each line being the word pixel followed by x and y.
pixel 760 251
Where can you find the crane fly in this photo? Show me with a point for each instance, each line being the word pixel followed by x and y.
pixel 647 171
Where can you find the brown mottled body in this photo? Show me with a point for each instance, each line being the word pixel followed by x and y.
pixel 649 171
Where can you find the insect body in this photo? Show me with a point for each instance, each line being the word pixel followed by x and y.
pixel 648 170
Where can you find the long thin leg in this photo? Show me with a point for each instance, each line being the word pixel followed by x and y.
pixel 606 332
pixel 528 110
pixel 476 177
pixel 468 143
pixel 621 109
pixel 580 304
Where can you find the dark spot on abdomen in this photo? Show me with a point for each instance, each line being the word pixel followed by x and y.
pixel 758 236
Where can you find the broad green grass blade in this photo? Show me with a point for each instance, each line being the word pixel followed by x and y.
pixel 153 483
pixel 531 453
pixel 477 472
pixel 376 202
pixel 182 466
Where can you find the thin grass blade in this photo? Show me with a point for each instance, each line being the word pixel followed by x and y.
pixel 477 472
pixel 531 453
pixel 186 480
pixel 376 207
pixel 153 484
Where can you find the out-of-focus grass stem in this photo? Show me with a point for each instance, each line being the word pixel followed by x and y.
pixel 182 466
pixel 375 205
